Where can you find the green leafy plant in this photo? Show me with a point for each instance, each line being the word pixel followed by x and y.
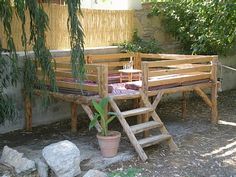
pixel 101 116
pixel 202 27
pixel 130 172
pixel 138 44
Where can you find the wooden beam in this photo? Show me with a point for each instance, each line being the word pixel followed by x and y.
pixel 93 58
pixel 157 99
pixel 179 79
pixel 200 59
pixel 201 68
pixel 74 113
pixel 214 89
pixel 169 56
pixel 78 99
pixel 203 96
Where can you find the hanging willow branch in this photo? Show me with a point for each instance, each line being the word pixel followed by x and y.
pixel 43 58
pixel 76 38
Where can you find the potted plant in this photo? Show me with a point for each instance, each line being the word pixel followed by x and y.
pixel 108 140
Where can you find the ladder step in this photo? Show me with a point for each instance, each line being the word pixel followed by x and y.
pixel 153 140
pixel 145 126
pixel 137 111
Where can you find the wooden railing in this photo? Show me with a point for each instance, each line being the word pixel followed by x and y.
pixel 177 69
pixel 95 78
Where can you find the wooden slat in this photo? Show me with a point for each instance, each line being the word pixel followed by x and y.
pixel 201 68
pixel 154 140
pixel 110 56
pixel 145 126
pixel 67 65
pixel 62 59
pixel 169 56
pixel 179 79
pixel 137 111
pixel 202 59
pixel 179 89
pixel 77 86
pixel 114 64
pixel 66 74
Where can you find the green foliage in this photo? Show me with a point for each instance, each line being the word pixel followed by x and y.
pixel 43 58
pixel 130 172
pixel 203 27
pixel 140 45
pixel 76 39
pixel 100 116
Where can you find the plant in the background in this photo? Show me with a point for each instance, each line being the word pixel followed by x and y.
pixel 202 27
pixel 108 140
pixel 138 44
pixel 38 27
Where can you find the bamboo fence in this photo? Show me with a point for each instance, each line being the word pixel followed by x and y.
pixel 101 27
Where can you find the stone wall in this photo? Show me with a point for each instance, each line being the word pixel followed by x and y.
pixel 150 27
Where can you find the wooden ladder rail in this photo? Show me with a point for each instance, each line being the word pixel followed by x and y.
pixel 128 131
pixel 154 115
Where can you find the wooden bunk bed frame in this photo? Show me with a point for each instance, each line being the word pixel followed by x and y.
pixel 161 74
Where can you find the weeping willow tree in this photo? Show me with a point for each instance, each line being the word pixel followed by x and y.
pixel 9 69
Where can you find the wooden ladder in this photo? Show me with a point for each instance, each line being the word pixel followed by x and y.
pixel 142 127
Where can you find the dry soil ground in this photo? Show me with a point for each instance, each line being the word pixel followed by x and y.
pixel 204 149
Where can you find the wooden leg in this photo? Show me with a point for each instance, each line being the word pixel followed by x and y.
pixel 121 77
pixel 214 110
pixel 137 105
pixel 130 77
pixel 184 105
pixel 74 108
pixel 28 113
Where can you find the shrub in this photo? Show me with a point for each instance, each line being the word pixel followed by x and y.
pixel 203 27
pixel 140 45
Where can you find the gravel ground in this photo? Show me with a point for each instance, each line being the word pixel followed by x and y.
pixel 204 149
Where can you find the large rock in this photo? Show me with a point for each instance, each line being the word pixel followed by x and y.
pixel 16 160
pixel 63 158
pixel 95 173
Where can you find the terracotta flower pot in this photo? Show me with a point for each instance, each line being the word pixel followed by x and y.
pixel 109 144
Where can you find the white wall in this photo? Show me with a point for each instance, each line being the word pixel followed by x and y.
pixel 111 4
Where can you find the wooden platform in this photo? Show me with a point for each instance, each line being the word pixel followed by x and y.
pixel 161 74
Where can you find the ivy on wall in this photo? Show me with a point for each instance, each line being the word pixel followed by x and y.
pixel 203 27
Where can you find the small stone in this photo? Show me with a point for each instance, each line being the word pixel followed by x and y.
pixel 63 158
pixel 16 160
pixel 42 167
pixel 95 173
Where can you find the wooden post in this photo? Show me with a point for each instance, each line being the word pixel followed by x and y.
pixel 138 60
pixel 74 111
pixel 214 110
pixel 28 113
pixel 103 82
pixel 184 105
pixel 145 68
